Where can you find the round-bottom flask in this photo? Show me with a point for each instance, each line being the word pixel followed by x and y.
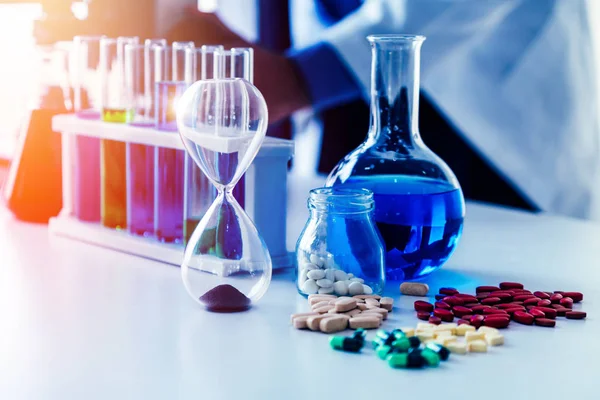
pixel 419 205
pixel 226 266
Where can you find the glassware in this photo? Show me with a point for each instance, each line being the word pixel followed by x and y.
pixel 199 192
pixel 226 265
pixel 113 178
pixel 85 74
pixel 419 205
pixel 178 59
pixel 340 251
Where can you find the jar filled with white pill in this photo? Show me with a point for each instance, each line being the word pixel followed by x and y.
pixel 340 251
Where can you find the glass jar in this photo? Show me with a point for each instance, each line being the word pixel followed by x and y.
pixel 340 251
pixel 419 205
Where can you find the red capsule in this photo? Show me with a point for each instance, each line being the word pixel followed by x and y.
pixel 555 298
pixel 519 303
pixel 576 315
pixel 523 297
pixel 453 301
pixel 439 296
pixel 467 298
pixel 548 312
pixel 576 296
pixel 423 315
pixel 443 314
pixel 506 306
pixel 537 313
pixel 501 292
pixel 523 318
pixel 532 301
pixel 448 291
pixel 562 311
pixel 467 317
pixel 543 303
pixel 435 320
pixel 558 291
pixel 511 311
pixel 504 297
pixel 511 285
pixel 566 302
pixel 483 295
pixel 550 323
pixel 441 304
pixel 521 291
pixel 469 305
pixel 541 295
pixel 479 309
pixel 494 310
pixel 477 320
pixel 463 322
pixel 421 305
pixel 461 311
pixel 481 289
pixel 496 322
pixel 490 301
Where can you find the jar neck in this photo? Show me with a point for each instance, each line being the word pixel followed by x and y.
pixel 395 69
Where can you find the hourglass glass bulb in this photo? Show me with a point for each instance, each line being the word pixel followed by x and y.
pixel 222 123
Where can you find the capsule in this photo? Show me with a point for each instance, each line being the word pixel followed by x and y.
pixel 398 360
pixel 401 345
pixel 415 359
pixel 383 351
pixel 440 350
pixel 431 357
pixel 414 341
pixel 345 344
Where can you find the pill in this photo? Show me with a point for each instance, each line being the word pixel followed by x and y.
pixel 506 306
pixel 447 327
pixel 370 322
pixel 457 347
pixel 415 359
pixel 325 290
pixel 321 296
pixel 345 344
pixel 480 289
pixel 300 322
pixel 510 285
pixel 398 360
pixel 352 313
pixel 421 305
pixel 497 322
pixel 355 288
pixel 414 289
pixel 576 296
pixel 555 298
pixel 470 336
pixel 460 311
pixel 566 302
pixel 543 303
pixel 422 326
pixel 482 295
pixel 523 297
pixel 494 340
pixel 467 298
pixel 532 301
pixel 521 291
pixel 333 324
pixel 479 309
pixel 316 274
pixel 387 303
pixel 313 321
pixel 439 334
pixel 303 276
pixel 537 313
pixel 467 317
pixel 316 260
pixel 362 306
pixel 493 310
pixel 463 322
pixel 345 304
pixel 576 315
pixel 541 295
pixel 409 332
pixel 547 322
pixel 371 301
pixel 383 351
pixel 435 320
pixel 383 312
pixel 448 291
pixel 462 329
pixel 423 315
pixel 310 287
pixel 444 315
pixel 442 351
pixel 548 312
pixel 504 297
pixel 440 296
pixel 340 275
pixel 477 320
pixel 402 344
pixel 443 305
pixel 307 314
pixel 324 283
pixel 477 346
pixel 488 330
pixel 425 335
pixel 490 301
pixel 340 288
pixel 561 311
pixel 367 289
pixel 431 357
pixel 330 274
pixel 453 301
pixel 511 311
pixel 523 317
pixel 324 309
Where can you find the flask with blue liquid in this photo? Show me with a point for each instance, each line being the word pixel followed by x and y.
pixel 419 205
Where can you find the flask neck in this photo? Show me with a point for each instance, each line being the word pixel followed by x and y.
pixel 395 91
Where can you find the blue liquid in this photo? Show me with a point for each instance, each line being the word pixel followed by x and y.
pixel 420 221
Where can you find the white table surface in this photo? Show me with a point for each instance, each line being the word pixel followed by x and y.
pixel 80 322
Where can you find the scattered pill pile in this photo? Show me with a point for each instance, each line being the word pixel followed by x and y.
pixel 497 306
pixel 319 274
pixel 333 314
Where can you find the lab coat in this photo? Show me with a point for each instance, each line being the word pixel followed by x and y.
pixel 516 77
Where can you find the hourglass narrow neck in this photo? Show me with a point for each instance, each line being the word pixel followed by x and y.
pixel 395 90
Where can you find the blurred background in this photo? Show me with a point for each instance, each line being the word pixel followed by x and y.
pixel 538 58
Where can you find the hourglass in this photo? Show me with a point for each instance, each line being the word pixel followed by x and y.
pixel 222 123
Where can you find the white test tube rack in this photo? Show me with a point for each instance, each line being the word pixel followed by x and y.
pixel 265 192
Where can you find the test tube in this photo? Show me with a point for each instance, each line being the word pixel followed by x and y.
pixel 113 178
pixel 169 165
pixel 85 76
pixel 139 157
pixel 199 191
pixel 178 60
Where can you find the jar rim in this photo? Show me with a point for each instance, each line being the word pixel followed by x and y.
pixel 341 199
pixel 389 37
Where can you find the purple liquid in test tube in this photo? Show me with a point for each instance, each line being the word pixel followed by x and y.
pixel 169 167
pixel 140 189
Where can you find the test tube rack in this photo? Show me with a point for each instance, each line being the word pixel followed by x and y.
pixel 265 192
